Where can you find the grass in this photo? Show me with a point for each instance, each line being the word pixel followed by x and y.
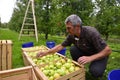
pixel 17 60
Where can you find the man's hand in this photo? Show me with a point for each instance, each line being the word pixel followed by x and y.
pixel 84 59
pixel 40 54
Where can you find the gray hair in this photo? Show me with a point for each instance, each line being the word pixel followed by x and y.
pixel 74 19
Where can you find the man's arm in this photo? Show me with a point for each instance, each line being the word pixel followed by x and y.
pixel 105 52
pixel 51 51
pixel 86 59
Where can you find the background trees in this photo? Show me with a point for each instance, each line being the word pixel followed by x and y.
pixel 50 15
pixel 107 18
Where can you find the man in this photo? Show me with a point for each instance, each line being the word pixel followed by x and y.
pixel 88 46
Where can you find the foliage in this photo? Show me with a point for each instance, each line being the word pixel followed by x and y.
pixel 107 18
pixel 51 14
pixel 17 17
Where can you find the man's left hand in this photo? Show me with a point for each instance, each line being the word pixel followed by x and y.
pixel 84 59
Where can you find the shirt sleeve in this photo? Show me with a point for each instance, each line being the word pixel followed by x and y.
pixel 67 41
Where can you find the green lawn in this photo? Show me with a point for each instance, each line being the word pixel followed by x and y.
pixel 17 60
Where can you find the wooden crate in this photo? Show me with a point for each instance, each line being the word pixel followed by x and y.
pixel 77 75
pixel 24 73
pixel 5 54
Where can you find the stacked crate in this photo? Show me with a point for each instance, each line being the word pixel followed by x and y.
pixel 76 75
pixel 5 54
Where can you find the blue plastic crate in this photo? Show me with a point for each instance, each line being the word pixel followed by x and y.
pixel 28 44
pixel 114 75
pixel 50 44
pixel 63 51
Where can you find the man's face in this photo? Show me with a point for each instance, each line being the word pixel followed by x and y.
pixel 70 28
pixel 73 30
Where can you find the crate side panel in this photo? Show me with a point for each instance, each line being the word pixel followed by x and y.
pixel 26 62
pixel 17 77
pixel 79 77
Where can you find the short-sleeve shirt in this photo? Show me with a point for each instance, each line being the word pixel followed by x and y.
pixel 90 41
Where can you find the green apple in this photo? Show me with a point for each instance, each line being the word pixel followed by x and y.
pixel 67 72
pixel 52 72
pixel 51 78
pixel 71 69
pixel 69 61
pixel 46 72
pixel 63 61
pixel 77 68
pixel 56 76
pixel 35 60
pixel 46 67
pixel 58 64
pixel 51 66
pixel 61 72
pixel 63 68
pixel 67 65
pixel 41 68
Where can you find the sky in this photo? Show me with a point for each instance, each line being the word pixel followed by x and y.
pixel 6 10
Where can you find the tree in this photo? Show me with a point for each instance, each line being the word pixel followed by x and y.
pixel 106 16
pixel 18 15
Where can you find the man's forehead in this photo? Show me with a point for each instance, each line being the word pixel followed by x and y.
pixel 69 23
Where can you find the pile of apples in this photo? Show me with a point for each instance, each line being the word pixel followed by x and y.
pixel 46 59
pixel 55 70
pixel 55 66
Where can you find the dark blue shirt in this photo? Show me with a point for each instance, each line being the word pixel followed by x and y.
pixel 90 41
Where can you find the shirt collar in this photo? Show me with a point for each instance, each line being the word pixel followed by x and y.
pixel 81 34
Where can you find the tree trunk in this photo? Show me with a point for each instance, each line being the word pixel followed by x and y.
pixel 46 36
pixel 106 36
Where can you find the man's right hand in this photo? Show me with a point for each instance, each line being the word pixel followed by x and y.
pixel 40 54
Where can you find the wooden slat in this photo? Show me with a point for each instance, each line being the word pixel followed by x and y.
pixel 29 12
pixel 9 54
pixel 29 18
pixel 15 71
pixel 0 55
pixel 79 77
pixel 27 35
pixel 4 54
pixel 28 29
pixel 28 24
